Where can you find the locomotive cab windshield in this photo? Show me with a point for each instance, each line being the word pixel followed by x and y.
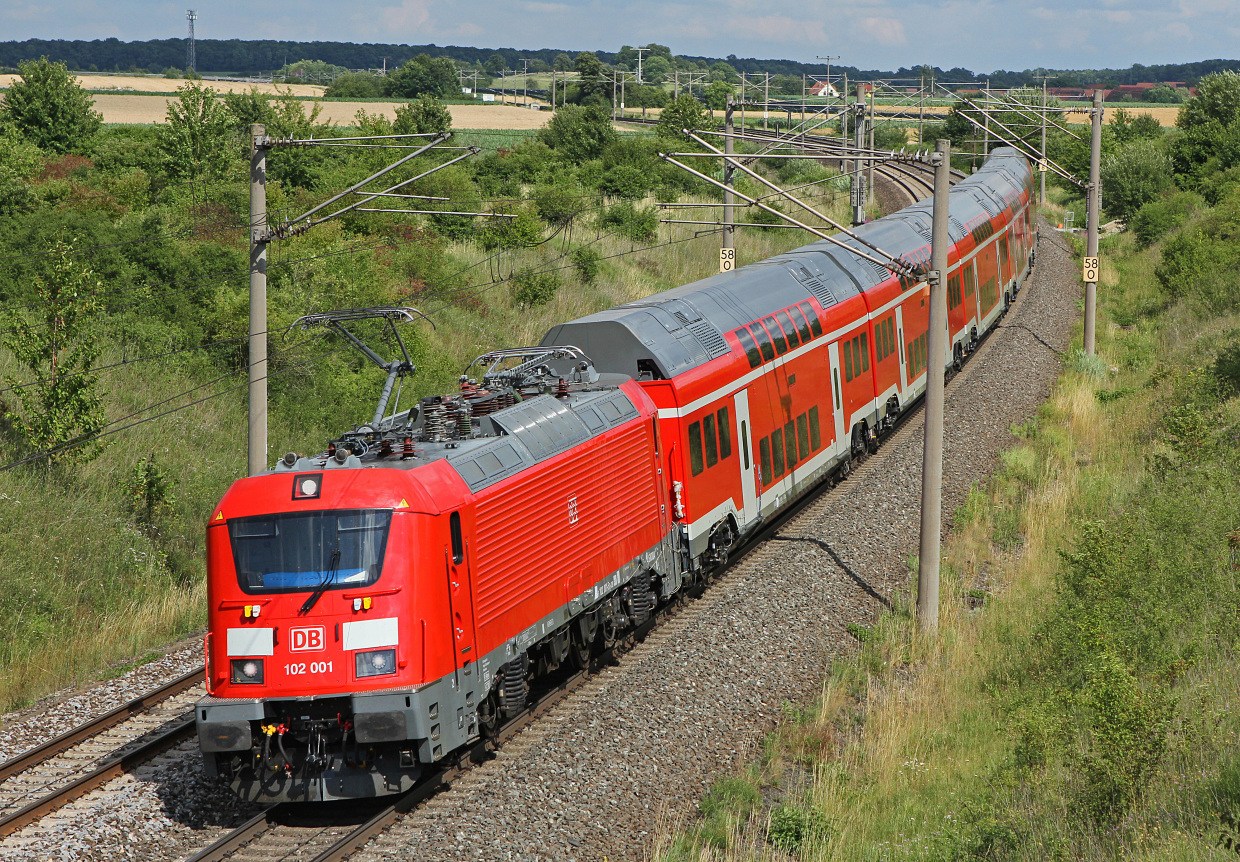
pixel 296 552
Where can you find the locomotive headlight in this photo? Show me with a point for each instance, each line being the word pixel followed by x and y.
pixel 376 663
pixel 247 671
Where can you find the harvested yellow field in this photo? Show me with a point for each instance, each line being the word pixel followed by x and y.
pixel 160 84
pixel 134 109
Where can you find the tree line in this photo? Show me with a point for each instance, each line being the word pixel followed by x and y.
pixel 262 56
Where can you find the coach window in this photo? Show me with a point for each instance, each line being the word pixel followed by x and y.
pixel 815 430
pixel 865 352
pixel 790 442
pixel 789 330
pixel 777 453
pixel 797 314
pixel 744 442
pixel 815 326
pixel 712 442
pixel 725 434
pixel 777 336
pixel 764 341
pixel 803 436
pixel 848 361
pixel 458 541
pixel 695 448
pixel 750 347
pixel 764 456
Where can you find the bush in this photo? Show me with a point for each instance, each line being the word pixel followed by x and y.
pixel 558 204
pixel 635 223
pixel 425 115
pixel 533 287
pixel 793 827
pixel 1202 267
pixel 685 112
pixel 587 263
pixel 355 85
pixel 1137 172
pixel 1226 370
pixel 50 109
pixel 625 181
pixel 1156 218
pixel 579 132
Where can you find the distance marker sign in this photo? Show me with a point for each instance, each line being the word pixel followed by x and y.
pixel 1089 272
pixel 727 259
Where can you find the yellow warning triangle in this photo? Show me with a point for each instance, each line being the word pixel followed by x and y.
pixel 219 516
pixel 403 504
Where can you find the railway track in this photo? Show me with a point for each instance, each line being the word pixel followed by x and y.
pixel 914 180
pixel 288 830
pixel 50 776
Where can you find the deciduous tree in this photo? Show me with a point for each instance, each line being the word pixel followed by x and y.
pixel 196 141
pixel 55 343
pixel 50 109
pixel 424 115
pixel 435 76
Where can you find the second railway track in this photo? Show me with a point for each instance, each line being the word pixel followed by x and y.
pixel 50 776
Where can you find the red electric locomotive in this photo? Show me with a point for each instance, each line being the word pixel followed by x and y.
pixel 378 606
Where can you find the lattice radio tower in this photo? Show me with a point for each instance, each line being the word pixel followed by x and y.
pixel 191 16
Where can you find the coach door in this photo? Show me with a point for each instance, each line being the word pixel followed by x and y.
pixel 900 348
pixel 749 484
pixel 842 440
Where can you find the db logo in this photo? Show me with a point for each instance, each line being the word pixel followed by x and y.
pixel 308 638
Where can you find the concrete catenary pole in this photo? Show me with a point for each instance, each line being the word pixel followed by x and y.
pixel 1041 169
pixel 869 125
pixel 932 455
pixel 1093 214
pixel 729 210
pixel 858 174
pixel 257 443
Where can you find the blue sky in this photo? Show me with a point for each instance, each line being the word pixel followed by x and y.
pixel 982 35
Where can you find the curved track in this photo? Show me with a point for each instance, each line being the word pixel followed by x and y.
pixel 46 778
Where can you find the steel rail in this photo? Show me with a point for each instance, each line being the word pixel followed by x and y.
pixel 70 738
pixel 100 775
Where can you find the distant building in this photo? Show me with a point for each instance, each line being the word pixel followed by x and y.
pixel 824 88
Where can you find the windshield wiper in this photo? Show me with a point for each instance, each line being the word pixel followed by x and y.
pixel 324 584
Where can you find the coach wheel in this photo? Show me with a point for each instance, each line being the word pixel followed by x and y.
pixel 957 358
pixel 871 440
pixel 859 447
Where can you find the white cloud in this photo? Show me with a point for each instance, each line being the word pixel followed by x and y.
pixel 405 19
pixel 885 31
pixel 546 8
